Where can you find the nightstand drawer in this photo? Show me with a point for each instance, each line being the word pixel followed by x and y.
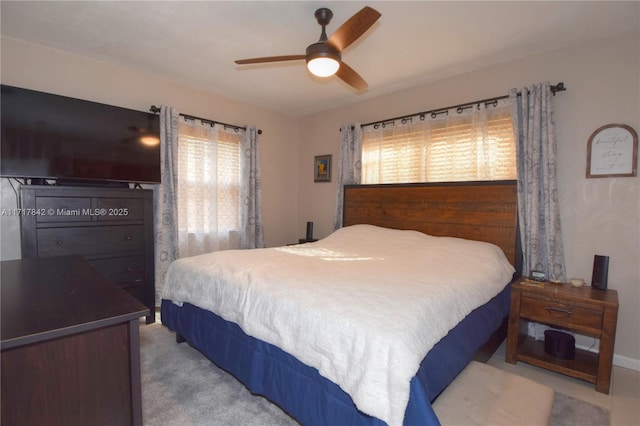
pixel 561 314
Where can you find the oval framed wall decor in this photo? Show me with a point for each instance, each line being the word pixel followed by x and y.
pixel 612 151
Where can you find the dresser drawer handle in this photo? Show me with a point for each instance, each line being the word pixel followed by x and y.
pixel 129 269
pixel 128 237
pixel 557 312
pixel 59 243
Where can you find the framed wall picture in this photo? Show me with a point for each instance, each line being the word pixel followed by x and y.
pixel 322 168
pixel 612 151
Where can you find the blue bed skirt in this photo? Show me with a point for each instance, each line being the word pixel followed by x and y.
pixel 307 396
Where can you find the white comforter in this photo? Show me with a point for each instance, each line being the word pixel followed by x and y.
pixel 363 306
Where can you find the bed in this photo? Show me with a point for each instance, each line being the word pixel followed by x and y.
pixel 359 352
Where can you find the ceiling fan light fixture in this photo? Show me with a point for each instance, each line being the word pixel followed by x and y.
pixel 323 67
pixel 323 60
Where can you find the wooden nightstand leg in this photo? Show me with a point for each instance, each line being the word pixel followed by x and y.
pixel 607 343
pixel 514 327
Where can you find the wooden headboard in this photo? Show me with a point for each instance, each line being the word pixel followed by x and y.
pixel 483 211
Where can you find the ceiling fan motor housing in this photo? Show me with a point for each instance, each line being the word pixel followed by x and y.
pixel 322 50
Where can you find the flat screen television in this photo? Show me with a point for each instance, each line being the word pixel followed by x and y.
pixel 46 136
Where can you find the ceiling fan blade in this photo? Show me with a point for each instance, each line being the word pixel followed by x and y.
pixel 352 78
pixel 270 59
pixel 355 26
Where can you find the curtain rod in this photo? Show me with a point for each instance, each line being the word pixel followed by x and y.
pixel 434 112
pixel 154 109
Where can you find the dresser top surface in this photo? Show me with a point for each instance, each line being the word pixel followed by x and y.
pixel 49 297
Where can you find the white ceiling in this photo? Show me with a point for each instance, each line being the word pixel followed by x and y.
pixel 195 43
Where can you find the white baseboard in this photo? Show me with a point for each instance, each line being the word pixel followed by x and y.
pixel 626 362
pixel 619 360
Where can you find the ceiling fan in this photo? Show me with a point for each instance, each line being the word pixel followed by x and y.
pixel 324 58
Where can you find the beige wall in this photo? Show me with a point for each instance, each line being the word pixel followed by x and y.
pixel 599 216
pixel 39 68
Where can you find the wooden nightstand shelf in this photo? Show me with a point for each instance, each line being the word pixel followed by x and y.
pixel 583 310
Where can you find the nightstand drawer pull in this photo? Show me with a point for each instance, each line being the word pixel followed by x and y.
pixel 557 312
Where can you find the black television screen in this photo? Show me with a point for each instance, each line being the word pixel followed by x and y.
pixel 48 136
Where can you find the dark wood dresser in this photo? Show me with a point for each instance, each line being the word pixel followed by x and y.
pixel 70 345
pixel 111 228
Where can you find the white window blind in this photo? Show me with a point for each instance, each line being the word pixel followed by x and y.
pixel 208 188
pixel 472 144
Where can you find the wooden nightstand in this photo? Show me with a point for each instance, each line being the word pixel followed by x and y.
pixel 583 310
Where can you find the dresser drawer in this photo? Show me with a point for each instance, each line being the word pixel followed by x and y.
pixel 561 314
pixel 64 209
pixel 121 269
pixel 136 291
pixel 90 240
pixel 120 209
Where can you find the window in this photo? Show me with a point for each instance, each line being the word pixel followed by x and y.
pixel 460 145
pixel 209 188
